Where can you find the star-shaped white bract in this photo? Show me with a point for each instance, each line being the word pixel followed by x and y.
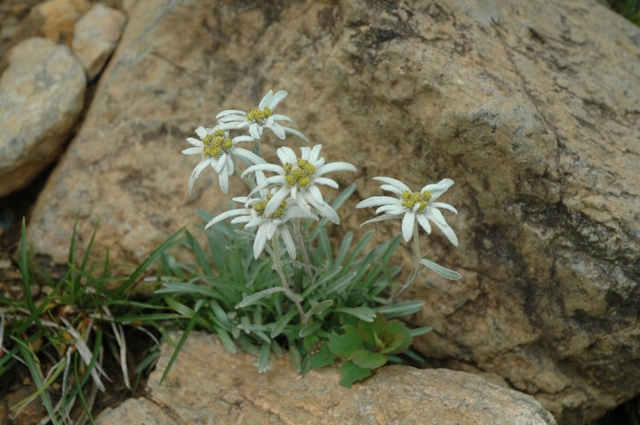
pixel 412 207
pixel 260 118
pixel 219 152
pixel 299 178
pixel 254 214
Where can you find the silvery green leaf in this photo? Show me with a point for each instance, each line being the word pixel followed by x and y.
pixel 258 296
pixel 442 271
pixel 263 358
pixel 282 323
pixel 319 308
pixel 310 329
pixel 400 309
pixel 362 313
pixel 420 331
pixel 226 340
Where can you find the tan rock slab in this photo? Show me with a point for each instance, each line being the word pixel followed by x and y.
pixel 96 36
pixel 207 385
pixel 41 97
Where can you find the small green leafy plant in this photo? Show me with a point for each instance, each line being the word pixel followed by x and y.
pixel 363 347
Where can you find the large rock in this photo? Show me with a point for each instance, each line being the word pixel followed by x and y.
pixel 229 390
pixel 96 37
pixel 41 97
pixel 531 107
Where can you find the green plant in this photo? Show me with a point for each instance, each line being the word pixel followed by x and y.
pixel 231 293
pixel 364 346
pixel 631 11
pixel 303 292
pixel 63 338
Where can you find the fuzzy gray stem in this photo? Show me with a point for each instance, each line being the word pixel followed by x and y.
pixel 416 270
pixel 287 290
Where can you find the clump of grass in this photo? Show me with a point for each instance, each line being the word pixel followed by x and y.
pixel 63 338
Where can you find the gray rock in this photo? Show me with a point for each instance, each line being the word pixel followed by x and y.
pixel 530 107
pixel 207 385
pixel 41 97
pixel 96 36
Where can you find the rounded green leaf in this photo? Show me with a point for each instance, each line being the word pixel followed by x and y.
pixel 344 345
pixel 351 373
pixel 367 359
pixel 398 328
pixel 368 330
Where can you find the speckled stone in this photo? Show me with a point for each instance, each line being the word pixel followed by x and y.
pixel 41 97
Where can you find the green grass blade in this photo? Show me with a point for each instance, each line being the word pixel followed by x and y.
pixel 180 344
pixel 80 395
pixel 29 358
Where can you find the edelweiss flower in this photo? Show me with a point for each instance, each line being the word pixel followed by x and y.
pixel 298 178
pixel 254 214
pixel 412 206
pixel 259 119
pixel 218 151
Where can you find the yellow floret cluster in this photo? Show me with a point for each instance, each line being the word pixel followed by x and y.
pixel 260 207
pixel 301 175
pixel 257 115
pixel 213 145
pixel 410 199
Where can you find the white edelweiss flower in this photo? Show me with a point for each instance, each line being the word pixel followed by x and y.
pixel 412 206
pixel 254 215
pixel 298 178
pixel 218 151
pixel 260 118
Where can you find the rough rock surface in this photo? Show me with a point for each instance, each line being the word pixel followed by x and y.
pixel 29 414
pixel 229 390
pixel 96 37
pixel 41 97
pixel 531 107
pixel 58 18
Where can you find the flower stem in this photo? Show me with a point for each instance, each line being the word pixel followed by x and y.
pixel 416 270
pixel 287 289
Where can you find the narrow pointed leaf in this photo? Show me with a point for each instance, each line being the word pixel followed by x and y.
pixel 442 271
pixel 252 299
